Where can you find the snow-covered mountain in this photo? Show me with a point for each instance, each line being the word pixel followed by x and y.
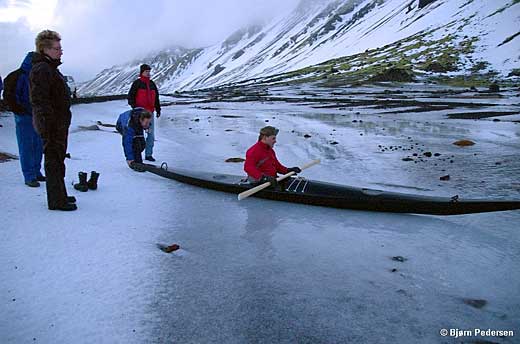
pixel 443 36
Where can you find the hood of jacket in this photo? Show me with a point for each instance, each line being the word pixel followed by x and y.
pixel 27 62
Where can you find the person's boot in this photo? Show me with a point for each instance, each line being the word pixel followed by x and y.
pixel 41 178
pixel 32 183
pixel 92 182
pixel 82 185
pixel 71 199
pixel 149 158
pixel 65 207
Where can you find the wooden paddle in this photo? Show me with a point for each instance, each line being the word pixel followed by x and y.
pixel 260 187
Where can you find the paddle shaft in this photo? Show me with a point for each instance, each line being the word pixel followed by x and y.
pixel 260 187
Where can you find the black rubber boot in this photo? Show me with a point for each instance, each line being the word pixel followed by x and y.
pixel 71 199
pixel 32 184
pixel 82 185
pixel 65 207
pixel 92 182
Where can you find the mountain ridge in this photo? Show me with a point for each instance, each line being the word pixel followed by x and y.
pixel 450 39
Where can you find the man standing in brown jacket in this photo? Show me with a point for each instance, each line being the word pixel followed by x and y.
pixel 50 100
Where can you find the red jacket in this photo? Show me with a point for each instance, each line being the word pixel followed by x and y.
pixel 261 160
pixel 144 93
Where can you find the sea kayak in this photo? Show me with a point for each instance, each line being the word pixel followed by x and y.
pixel 300 190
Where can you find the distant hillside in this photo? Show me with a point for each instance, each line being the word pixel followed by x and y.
pixel 346 41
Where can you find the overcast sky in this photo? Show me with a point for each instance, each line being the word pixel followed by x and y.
pixel 100 33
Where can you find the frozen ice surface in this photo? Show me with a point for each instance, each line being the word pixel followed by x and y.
pixel 258 270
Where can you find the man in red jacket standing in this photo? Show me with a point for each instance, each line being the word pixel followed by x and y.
pixel 261 163
pixel 144 93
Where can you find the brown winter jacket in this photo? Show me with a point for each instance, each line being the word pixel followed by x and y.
pixel 50 97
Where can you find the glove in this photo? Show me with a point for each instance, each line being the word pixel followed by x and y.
pixel 158 114
pixel 269 179
pixel 294 169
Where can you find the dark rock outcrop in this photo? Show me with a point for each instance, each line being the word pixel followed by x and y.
pixel 424 3
pixel 494 87
pixel 438 67
pixel 393 74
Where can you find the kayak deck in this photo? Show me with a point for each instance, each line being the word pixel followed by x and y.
pixel 300 190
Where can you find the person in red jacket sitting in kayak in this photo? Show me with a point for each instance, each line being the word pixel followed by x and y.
pixel 261 163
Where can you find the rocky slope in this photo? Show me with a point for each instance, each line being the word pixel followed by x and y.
pixel 346 41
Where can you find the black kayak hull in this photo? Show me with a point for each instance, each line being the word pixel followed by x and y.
pixel 339 196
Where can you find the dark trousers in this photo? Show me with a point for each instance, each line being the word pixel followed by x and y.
pixel 29 147
pixel 54 149
pixel 138 146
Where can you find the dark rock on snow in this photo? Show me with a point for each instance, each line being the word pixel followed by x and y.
pixel 235 160
pixel 89 127
pixel 424 3
pixel 6 157
pixel 399 259
pixel 106 124
pixel 168 249
pixel 477 303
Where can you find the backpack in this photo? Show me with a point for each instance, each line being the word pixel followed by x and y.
pixel 10 88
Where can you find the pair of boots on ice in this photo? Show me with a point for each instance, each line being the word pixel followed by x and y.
pixel 82 186
pixel 85 185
